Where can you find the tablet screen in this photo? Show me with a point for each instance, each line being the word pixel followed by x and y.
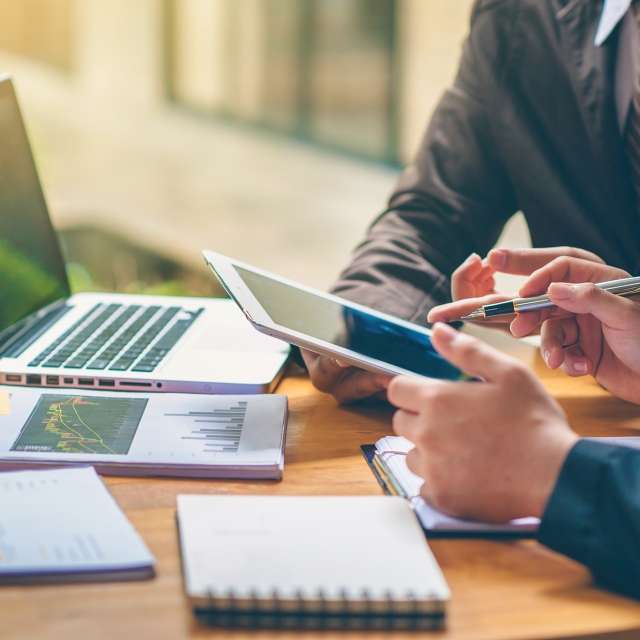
pixel 347 327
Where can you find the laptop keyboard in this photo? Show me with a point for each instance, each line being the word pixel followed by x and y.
pixel 118 337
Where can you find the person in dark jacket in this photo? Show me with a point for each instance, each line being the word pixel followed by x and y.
pixel 543 117
pixel 502 448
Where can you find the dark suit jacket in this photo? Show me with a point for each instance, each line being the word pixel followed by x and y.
pixel 529 124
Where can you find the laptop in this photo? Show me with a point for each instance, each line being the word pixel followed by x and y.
pixel 51 338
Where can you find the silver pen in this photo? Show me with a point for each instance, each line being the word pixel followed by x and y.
pixel 623 287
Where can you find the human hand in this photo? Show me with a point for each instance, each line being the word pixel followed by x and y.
pixel 473 282
pixel 490 450
pixel 344 382
pixel 592 332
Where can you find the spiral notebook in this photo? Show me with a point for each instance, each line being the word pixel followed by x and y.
pixel 387 461
pixel 308 562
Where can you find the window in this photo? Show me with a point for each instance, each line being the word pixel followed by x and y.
pixel 38 29
pixel 319 69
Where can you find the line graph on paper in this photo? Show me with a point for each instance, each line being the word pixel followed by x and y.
pixel 219 430
pixel 81 424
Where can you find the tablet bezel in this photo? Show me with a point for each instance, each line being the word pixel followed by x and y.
pixel 223 268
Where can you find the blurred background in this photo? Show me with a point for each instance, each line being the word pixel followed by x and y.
pixel 271 130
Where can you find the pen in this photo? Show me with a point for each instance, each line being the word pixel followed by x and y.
pixel 623 287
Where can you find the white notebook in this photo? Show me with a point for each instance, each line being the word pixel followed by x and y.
pixel 391 452
pixel 308 561
pixel 62 525
pixel 192 435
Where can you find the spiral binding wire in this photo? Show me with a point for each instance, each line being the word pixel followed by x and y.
pixel 229 609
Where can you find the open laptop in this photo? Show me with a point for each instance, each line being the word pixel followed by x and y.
pixel 49 337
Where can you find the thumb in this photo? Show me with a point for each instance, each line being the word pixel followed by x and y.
pixel 614 311
pixel 469 354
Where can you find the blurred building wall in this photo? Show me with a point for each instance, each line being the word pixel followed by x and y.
pixel 375 65
pixel 431 33
pixel 40 29
pixel 358 75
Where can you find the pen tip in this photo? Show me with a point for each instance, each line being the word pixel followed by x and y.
pixel 474 315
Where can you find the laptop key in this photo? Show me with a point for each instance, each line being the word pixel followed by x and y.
pixel 97 343
pixel 159 350
pixel 130 355
pixel 115 348
pixel 43 355
pixel 84 334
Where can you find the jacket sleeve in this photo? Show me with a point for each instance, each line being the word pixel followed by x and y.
pixel 593 515
pixel 454 199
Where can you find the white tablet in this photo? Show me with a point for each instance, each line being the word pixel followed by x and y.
pixel 330 325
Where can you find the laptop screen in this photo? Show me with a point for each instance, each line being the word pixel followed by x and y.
pixel 32 270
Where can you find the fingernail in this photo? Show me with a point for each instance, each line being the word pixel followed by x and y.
pixel 546 354
pixel 562 291
pixel 498 258
pixel 471 257
pixel 580 366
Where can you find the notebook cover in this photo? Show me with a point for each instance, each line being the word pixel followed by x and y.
pixel 301 591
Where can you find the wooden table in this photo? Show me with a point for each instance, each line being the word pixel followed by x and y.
pixel 512 589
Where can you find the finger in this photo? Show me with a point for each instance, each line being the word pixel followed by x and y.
pixel 569 270
pixel 455 310
pixel 486 272
pixel 407 425
pixel 357 384
pixel 309 357
pixel 525 261
pixel 415 462
pixel 324 372
pixel 408 392
pixel 615 311
pixel 555 335
pixel 488 283
pixel 526 324
pixel 463 278
pixel 576 362
pixel 471 355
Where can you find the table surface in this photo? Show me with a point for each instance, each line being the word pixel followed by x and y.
pixel 500 589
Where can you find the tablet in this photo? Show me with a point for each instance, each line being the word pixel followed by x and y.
pixel 329 325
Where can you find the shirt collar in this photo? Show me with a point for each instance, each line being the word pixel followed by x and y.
pixel 612 13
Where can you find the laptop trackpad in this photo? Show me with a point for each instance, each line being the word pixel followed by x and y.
pixel 222 346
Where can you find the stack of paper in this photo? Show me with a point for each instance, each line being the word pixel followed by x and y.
pixel 145 434
pixel 64 525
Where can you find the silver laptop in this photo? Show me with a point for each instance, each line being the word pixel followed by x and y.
pixel 49 337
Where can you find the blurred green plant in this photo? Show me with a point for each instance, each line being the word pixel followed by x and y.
pixel 99 260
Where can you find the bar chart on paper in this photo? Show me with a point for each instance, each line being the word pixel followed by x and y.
pixel 191 435
pixel 219 429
